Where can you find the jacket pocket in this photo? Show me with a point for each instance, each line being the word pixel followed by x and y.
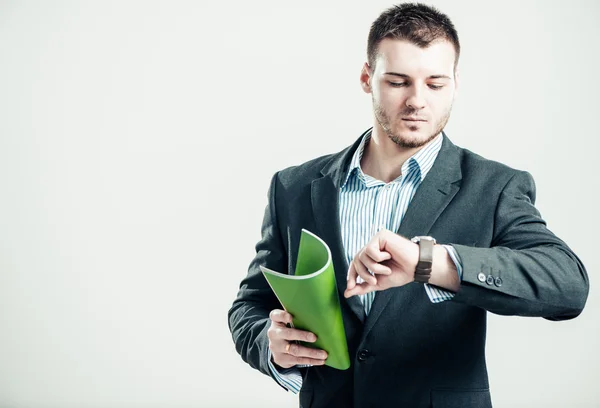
pixel 476 398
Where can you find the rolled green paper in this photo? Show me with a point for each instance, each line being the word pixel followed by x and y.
pixel 311 297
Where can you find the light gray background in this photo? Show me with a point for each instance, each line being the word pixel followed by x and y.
pixel 137 141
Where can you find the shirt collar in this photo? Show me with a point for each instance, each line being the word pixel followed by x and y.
pixel 424 158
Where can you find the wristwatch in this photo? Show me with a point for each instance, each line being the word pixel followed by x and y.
pixel 423 269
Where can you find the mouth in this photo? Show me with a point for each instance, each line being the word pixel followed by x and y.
pixel 414 120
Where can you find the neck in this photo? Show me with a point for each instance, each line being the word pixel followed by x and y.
pixel 382 159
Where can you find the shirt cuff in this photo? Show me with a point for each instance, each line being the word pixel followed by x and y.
pixel 289 378
pixel 437 295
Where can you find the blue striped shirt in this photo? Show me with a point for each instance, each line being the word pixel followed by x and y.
pixel 368 205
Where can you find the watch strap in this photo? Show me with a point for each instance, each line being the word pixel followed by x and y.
pixel 423 269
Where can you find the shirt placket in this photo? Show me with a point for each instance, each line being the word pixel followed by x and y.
pixel 382 210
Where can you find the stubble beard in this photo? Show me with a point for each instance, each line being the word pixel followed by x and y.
pixel 386 124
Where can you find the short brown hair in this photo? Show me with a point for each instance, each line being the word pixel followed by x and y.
pixel 415 22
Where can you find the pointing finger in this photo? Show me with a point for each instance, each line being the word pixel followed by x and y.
pixel 351 276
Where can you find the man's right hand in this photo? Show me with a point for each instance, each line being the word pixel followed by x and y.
pixel 284 352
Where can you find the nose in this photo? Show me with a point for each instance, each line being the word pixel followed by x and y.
pixel 416 100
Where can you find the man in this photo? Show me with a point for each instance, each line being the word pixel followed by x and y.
pixel 414 312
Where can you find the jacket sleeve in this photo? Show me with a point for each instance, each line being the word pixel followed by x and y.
pixel 527 271
pixel 249 313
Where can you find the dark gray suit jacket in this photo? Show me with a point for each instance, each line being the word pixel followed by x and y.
pixel 409 352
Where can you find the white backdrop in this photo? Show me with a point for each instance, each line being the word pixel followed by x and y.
pixel 137 142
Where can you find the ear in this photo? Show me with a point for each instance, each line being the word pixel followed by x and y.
pixel 456 82
pixel 366 78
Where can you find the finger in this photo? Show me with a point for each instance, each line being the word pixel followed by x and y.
pixel 287 360
pixel 360 289
pixel 280 346
pixel 351 276
pixel 289 334
pixel 373 266
pixel 280 316
pixel 298 350
pixel 374 252
pixel 362 271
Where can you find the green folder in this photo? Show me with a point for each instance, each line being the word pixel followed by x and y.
pixel 311 297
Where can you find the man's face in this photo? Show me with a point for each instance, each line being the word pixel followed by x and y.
pixel 411 83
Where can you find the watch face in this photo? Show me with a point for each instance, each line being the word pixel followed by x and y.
pixel 424 238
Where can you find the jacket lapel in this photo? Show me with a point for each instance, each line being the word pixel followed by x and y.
pixel 325 205
pixel 431 198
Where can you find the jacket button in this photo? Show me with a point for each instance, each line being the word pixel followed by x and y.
pixel 363 354
pixel 490 280
pixel 498 282
pixel 481 277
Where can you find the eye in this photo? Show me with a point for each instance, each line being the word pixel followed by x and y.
pixel 436 87
pixel 397 84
